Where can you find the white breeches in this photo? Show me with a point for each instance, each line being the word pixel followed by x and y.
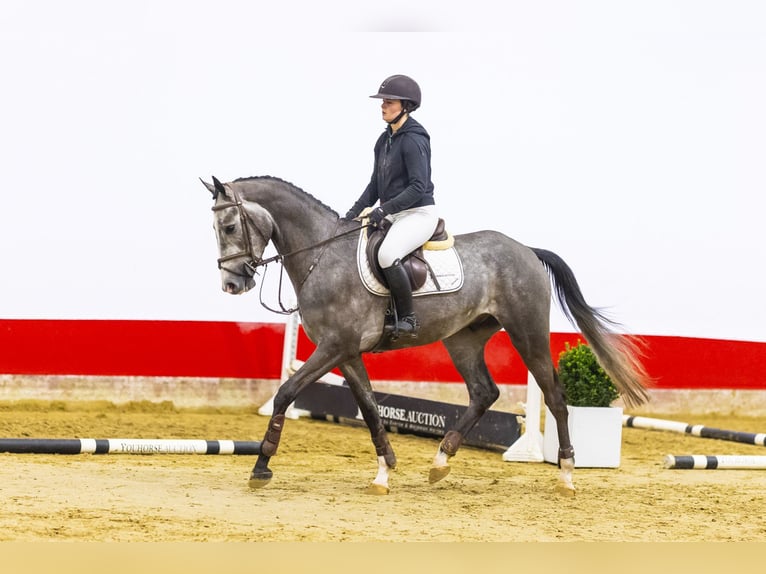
pixel 411 228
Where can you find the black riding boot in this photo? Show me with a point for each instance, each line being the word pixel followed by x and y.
pixel 399 284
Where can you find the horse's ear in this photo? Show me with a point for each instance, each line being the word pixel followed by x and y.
pixel 210 187
pixel 215 188
pixel 218 187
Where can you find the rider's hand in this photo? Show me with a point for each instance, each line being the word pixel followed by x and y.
pixel 377 215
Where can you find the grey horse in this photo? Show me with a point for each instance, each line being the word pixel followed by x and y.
pixel 507 286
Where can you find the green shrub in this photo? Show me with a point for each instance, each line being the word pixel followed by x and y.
pixel 585 382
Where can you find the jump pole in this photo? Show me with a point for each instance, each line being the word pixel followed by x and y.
pixel 721 461
pixel 695 430
pixel 126 446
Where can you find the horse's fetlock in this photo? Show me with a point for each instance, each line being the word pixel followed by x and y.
pixel 451 442
pixel 567 452
pixel 268 448
pixel 383 448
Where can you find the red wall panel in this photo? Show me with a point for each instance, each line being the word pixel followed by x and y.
pixel 254 350
pixel 141 348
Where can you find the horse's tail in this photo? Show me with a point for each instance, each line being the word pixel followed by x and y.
pixel 619 355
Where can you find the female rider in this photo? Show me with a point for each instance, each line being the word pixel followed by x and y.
pixel 401 183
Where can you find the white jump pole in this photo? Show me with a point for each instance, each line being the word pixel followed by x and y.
pixel 529 446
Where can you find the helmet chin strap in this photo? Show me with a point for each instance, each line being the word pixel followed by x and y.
pixel 399 117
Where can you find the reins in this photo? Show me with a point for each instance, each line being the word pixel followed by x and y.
pixel 281 257
pixel 324 242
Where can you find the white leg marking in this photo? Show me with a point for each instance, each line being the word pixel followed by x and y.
pixel 441 459
pixel 565 477
pixel 382 477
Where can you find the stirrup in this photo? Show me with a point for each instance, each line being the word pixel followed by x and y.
pixel 408 325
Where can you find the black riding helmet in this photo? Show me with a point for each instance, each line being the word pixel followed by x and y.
pixel 399 87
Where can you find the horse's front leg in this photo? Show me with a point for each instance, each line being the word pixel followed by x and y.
pixel 359 382
pixel 317 365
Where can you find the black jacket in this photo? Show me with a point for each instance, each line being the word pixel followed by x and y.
pixel 401 177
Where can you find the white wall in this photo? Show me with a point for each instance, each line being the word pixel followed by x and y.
pixel 626 136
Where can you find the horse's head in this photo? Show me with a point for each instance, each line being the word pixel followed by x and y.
pixel 243 230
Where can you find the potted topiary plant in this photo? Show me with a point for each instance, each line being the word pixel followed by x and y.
pixel 595 426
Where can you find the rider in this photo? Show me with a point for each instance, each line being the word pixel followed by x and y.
pixel 401 183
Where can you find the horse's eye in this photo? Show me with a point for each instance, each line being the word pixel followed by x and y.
pixel 229 229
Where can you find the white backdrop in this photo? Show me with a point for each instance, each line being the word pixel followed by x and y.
pixel 626 136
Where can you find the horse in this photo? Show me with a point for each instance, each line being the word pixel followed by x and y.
pixel 507 286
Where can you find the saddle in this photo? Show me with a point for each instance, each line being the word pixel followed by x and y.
pixel 414 263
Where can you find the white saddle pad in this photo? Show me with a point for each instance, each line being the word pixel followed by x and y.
pixel 445 264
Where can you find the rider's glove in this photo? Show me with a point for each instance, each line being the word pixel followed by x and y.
pixel 377 215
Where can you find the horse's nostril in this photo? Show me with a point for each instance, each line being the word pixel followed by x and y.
pixel 230 287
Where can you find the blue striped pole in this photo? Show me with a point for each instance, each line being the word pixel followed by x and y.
pixel 721 461
pixel 695 430
pixel 127 446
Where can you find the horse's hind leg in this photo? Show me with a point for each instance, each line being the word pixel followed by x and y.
pixel 535 352
pixel 466 348
pixel 359 382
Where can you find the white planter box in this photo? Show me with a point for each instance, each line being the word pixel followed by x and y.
pixel 596 434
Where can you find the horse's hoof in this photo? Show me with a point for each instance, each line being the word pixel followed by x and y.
pixel 376 489
pixel 565 490
pixel 256 483
pixel 260 479
pixel 437 473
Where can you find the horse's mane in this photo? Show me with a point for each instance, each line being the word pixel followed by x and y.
pixel 295 187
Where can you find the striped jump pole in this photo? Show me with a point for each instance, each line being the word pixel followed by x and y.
pixel 126 446
pixel 721 461
pixel 695 430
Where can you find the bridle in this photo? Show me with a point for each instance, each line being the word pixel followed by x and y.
pixel 253 261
